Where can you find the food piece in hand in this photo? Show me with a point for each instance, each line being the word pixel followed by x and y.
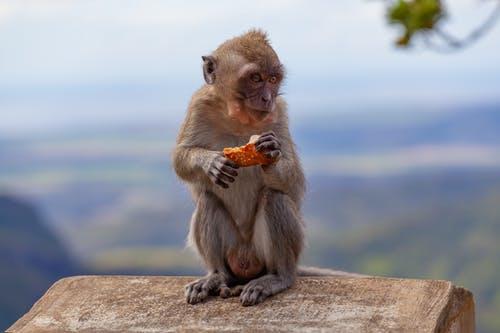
pixel 247 155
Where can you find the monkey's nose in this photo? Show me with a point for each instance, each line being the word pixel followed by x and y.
pixel 266 97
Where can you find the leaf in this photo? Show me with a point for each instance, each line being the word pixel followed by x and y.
pixel 414 16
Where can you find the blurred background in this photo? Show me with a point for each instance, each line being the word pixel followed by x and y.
pixel 401 146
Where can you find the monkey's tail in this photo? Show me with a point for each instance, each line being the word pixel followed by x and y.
pixel 316 271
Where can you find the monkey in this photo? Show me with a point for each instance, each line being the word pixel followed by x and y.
pixel 247 225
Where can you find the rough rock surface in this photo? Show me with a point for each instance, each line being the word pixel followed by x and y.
pixel 314 304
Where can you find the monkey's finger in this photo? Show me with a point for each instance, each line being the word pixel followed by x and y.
pixel 269 133
pixel 229 163
pixel 222 176
pixel 267 139
pixel 214 177
pixel 229 170
pixel 222 160
pixel 268 145
pixel 221 183
pixel 275 154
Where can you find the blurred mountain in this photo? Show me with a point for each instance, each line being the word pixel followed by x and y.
pixel 31 258
pixel 379 131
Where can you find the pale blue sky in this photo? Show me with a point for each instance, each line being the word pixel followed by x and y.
pixel 87 62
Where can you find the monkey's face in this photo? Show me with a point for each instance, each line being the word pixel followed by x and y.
pixel 258 86
pixel 246 72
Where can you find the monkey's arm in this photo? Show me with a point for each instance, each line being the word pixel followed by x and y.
pixel 195 164
pixel 193 161
pixel 286 174
pixel 189 162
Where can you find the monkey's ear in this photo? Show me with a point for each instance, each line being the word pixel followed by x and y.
pixel 209 66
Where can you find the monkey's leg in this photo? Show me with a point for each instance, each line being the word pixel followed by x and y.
pixel 212 231
pixel 279 237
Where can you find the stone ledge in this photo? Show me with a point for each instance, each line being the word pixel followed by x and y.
pixel 314 304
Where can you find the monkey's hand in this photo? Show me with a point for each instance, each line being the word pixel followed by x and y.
pixel 269 145
pixel 221 170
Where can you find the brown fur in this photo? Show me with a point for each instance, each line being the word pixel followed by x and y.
pixel 254 46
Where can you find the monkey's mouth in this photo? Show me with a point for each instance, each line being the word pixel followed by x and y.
pixel 259 114
pixel 265 111
pixel 259 108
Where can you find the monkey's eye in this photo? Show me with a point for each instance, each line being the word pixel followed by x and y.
pixel 273 79
pixel 256 77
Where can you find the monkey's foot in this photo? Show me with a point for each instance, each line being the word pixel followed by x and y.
pixel 199 290
pixel 226 292
pixel 255 292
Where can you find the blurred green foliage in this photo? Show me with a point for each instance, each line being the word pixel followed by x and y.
pixel 414 16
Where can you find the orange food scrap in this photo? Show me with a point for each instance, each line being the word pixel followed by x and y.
pixel 247 155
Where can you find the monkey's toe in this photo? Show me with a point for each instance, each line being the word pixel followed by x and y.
pixel 196 292
pixel 253 294
pixel 226 292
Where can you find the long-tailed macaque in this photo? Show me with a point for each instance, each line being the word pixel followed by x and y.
pixel 247 226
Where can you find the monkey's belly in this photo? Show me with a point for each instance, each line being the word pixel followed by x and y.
pixel 244 263
pixel 242 196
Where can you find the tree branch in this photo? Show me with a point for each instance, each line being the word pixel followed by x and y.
pixel 456 43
